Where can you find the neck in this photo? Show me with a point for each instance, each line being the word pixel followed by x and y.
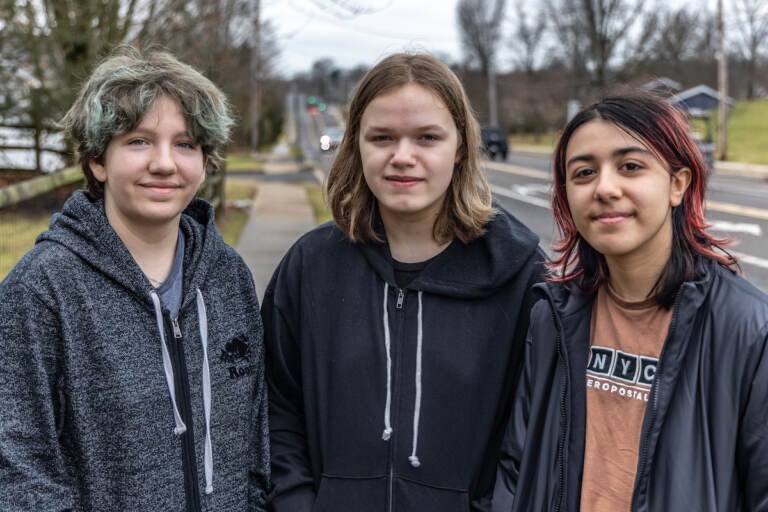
pixel 633 281
pixel 152 247
pixel 411 240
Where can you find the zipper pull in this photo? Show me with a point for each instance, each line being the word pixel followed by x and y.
pixel 176 329
pixel 400 298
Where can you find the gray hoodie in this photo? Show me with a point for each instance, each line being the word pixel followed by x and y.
pixel 108 404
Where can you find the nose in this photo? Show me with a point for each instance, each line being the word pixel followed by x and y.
pixel 403 155
pixel 162 161
pixel 608 184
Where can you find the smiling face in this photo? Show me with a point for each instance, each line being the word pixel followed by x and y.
pixel 621 195
pixel 408 146
pixel 151 173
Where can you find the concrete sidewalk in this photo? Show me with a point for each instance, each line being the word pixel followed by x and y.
pixel 280 214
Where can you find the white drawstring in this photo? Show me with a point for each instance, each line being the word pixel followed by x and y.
pixel 414 460
pixel 387 426
pixel 208 459
pixel 167 366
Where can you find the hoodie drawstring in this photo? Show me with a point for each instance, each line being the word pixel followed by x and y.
pixel 387 344
pixel 413 458
pixel 180 427
pixel 208 459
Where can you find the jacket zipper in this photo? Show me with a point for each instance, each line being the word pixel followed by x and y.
pixel 390 491
pixel 654 405
pixel 189 465
pixel 562 455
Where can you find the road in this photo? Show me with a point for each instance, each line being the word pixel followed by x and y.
pixel 736 207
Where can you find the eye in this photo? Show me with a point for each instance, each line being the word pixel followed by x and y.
pixel 631 166
pixel 186 145
pixel 430 137
pixel 582 173
pixel 137 142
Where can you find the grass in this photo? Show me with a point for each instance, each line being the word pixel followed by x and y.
pixel 231 220
pixel 317 200
pixel 243 161
pixel 17 235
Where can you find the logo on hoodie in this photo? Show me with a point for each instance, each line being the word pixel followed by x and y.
pixel 236 354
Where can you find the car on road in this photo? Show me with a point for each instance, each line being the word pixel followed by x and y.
pixel 494 142
pixel 331 138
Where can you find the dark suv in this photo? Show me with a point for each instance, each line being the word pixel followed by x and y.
pixel 494 142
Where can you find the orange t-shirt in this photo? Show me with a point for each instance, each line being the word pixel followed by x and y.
pixel 625 343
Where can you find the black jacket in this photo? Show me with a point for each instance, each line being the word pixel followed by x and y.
pixel 704 439
pixel 344 355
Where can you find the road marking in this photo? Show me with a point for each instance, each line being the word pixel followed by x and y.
pixel 747 211
pixel 516 169
pixel 511 194
pixel 751 260
pixel 736 227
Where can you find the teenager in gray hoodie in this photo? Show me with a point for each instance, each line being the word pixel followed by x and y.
pixel 132 373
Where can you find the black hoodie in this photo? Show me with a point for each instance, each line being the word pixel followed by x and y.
pixel 387 399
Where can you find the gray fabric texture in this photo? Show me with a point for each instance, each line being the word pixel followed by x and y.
pixel 87 422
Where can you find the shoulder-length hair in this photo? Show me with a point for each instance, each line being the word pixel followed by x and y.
pixel 467 206
pixel 664 129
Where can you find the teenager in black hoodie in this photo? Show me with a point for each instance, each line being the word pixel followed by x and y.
pixel 394 333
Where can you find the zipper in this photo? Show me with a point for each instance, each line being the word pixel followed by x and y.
pixel 562 441
pixel 399 303
pixel 653 404
pixel 189 464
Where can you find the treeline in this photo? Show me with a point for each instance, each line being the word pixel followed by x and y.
pixel 48 47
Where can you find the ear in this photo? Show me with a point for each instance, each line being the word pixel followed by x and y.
pixel 98 170
pixel 680 182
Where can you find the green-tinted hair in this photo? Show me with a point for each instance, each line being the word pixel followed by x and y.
pixel 125 86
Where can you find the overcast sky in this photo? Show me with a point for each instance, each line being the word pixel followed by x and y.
pixel 307 33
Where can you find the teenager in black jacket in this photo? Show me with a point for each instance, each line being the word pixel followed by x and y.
pixel 394 334
pixel 645 379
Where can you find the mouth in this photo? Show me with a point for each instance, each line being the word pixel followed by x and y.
pixel 161 187
pixel 611 217
pixel 402 181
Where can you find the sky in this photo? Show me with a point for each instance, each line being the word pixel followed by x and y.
pixel 306 32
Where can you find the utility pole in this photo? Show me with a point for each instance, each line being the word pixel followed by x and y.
pixel 255 69
pixel 722 86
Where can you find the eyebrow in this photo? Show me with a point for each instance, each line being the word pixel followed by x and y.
pixel 425 128
pixel 588 157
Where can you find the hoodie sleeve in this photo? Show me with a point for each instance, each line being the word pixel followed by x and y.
pixel 291 470
pixel 32 472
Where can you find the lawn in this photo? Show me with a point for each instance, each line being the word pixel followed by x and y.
pixel 231 220
pixel 242 162
pixel 317 200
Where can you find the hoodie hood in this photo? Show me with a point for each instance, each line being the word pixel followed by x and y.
pixel 83 228
pixel 467 271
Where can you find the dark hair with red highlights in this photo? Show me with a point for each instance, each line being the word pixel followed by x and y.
pixel 663 129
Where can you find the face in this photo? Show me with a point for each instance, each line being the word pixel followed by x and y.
pixel 408 146
pixel 151 173
pixel 621 195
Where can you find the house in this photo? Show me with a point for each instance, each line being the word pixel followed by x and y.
pixel 699 101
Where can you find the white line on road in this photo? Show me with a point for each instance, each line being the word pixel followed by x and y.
pixel 736 227
pixel 751 260
pixel 511 194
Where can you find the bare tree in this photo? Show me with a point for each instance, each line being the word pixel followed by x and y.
pixel 480 28
pixel 530 26
pixel 592 31
pixel 752 26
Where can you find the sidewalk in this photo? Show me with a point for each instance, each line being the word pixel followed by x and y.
pixel 280 214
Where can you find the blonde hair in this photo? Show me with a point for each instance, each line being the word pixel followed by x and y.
pixel 467 207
